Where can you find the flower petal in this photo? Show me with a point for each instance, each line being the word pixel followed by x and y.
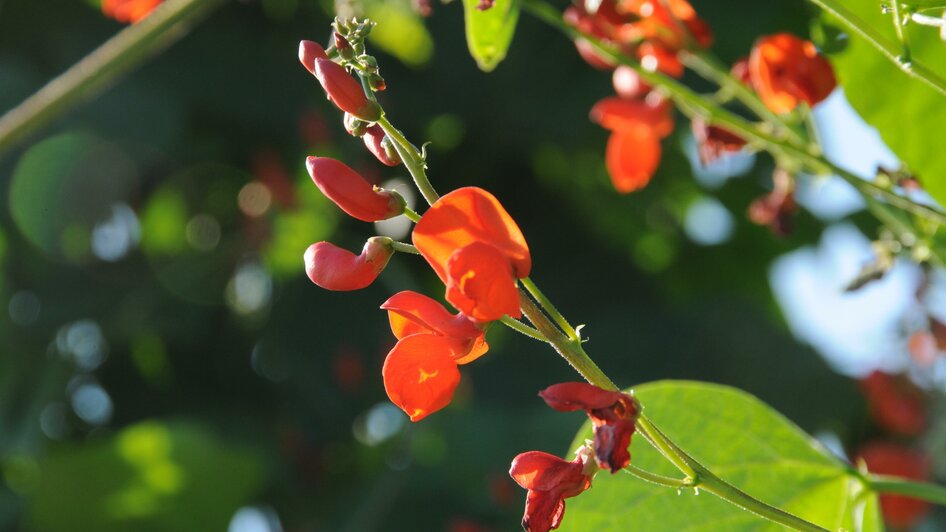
pixel 420 375
pixel 480 283
pixel 334 268
pixel 544 511
pixel 539 471
pixel 462 217
pixel 785 69
pixel 612 442
pixel 632 157
pixel 619 114
pixel 412 313
pixel 571 396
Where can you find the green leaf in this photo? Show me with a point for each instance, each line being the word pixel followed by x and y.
pixel 743 441
pixel 909 114
pixel 489 33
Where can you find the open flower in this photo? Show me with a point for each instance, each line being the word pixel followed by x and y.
pixel 420 373
pixel 550 480
pixel 633 151
pixel 612 413
pixel 477 250
pixel 786 70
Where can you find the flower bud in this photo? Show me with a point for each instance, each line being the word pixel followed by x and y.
pixel 334 268
pixel 380 145
pixel 351 192
pixel 309 51
pixel 376 83
pixel 344 91
pixel 355 127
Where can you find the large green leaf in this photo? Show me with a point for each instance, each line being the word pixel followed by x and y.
pixel 489 32
pixel 743 441
pixel 909 114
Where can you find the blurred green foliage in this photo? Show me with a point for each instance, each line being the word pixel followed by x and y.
pixel 220 378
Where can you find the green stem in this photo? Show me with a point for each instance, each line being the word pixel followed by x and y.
pixel 654 478
pixel 710 68
pixel 901 32
pixel 520 327
pixel 404 248
pixel 413 160
pixel 855 24
pixel 127 49
pixel 411 215
pixel 693 103
pixel 910 488
pixel 550 309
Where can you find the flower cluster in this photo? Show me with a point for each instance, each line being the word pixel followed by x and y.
pixel 470 241
pixel 782 70
pixel 550 479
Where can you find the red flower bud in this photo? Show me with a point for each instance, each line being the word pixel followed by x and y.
pixel 374 140
pixel 351 192
pixel 550 480
pixel 309 51
pixel 612 413
pixel 786 70
pixel 420 375
pixel 344 91
pixel 891 459
pixel 334 268
pixel 128 11
pixel 412 313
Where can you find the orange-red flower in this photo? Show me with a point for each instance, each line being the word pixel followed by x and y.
pixel 334 268
pixel 895 403
pixel 420 373
pixel 633 151
pixel 411 313
pixel 477 250
pixel 786 70
pixel 612 413
pixel 891 459
pixel 344 91
pixel 347 189
pixel 550 480
pixel 128 11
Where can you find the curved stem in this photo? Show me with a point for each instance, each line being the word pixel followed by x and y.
pixel 550 309
pixel 654 478
pixel 522 328
pixel 411 215
pixel 404 248
pixel 910 488
pixel 127 49
pixel 854 24
pixel 413 160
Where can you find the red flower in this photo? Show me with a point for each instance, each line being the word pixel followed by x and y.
pixel 712 142
pixel 477 250
pixel 891 459
pixel 411 313
pixel 344 91
pixel 786 70
pixel 550 480
pixel 634 150
pixel 895 403
pixel 334 268
pixel 612 413
pixel 128 11
pixel 309 51
pixel 351 192
pixel 420 373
